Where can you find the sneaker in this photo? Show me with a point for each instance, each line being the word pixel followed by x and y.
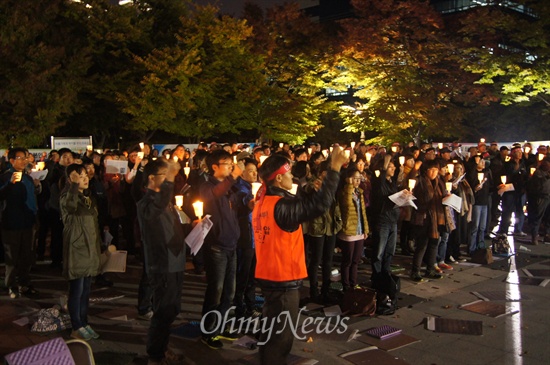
pixel 81 334
pixel 229 336
pixel 433 275
pixel 28 291
pixel 92 333
pixel 213 342
pixel 415 276
pixel 452 260
pixel 14 293
pixel 146 316
pixel 444 266
pixel 437 269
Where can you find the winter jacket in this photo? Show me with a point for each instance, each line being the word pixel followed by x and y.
pixel 162 234
pixel 350 215
pixel 329 223
pixel 81 237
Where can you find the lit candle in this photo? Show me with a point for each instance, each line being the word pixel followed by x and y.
pixel 394 148
pixel 352 145
pixel 235 159
pixel 262 159
pixel 449 186
pixel 294 189
pixel 482 140
pixel 377 173
pixel 507 158
pixel 533 170
pixel 412 184
pixel 440 146
pixel 503 179
pixel 541 156
pixel 176 158
pixel 309 150
pixel 451 168
pixel 527 149
pixel 480 176
pixel 325 153
pixel 369 156
pixel 179 200
pixel 198 206
pixel 167 156
pixel 40 165
pixel 140 155
pixel 186 170
pixel 347 153
pixel 331 148
pixel 141 145
pixel 255 187
pixel 401 160
pixel 89 147
pixel 281 145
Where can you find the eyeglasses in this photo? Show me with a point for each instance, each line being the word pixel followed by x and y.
pixel 21 158
pixel 225 163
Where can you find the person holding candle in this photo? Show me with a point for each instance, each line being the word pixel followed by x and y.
pixel 163 238
pixel 429 219
pixel 220 244
pixel 481 190
pixel 514 201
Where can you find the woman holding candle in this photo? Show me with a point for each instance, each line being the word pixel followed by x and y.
pixel 428 220
pixel 538 196
pixel 480 208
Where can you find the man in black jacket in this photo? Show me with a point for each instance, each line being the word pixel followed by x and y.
pixel 281 267
pixel 163 236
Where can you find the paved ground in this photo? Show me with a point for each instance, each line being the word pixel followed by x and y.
pixel 517 284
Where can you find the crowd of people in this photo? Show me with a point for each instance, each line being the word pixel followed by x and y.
pixel 313 203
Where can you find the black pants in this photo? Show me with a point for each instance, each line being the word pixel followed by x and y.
pixel 245 290
pixel 424 245
pixel 18 246
pixel 283 302
pixel 320 252
pixel 166 306
pixel 535 211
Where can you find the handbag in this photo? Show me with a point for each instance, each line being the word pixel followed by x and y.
pixel 483 256
pixel 359 302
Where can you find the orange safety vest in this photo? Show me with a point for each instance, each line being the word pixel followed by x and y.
pixel 280 254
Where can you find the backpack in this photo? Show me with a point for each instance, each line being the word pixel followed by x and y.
pixel 500 245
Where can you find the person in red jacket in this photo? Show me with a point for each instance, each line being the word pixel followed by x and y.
pixel 279 243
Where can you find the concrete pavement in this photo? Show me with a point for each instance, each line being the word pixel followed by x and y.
pixel 519 339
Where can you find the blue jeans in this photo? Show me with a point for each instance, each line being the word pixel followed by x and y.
pixel 221 268
pixel 442 247
pixel 78 301
pixel 478 226
pixel 385 248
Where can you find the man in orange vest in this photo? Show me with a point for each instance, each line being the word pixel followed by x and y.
pixel 280 256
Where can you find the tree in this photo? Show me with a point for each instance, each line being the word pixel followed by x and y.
pixel 296 53
pixel 206 83
pixel 43 60
pixel 405 71
pixel 510 51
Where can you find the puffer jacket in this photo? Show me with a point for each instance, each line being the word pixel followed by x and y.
pixel 350 216
pixel 81 238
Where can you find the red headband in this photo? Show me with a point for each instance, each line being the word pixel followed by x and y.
pixel 282 170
